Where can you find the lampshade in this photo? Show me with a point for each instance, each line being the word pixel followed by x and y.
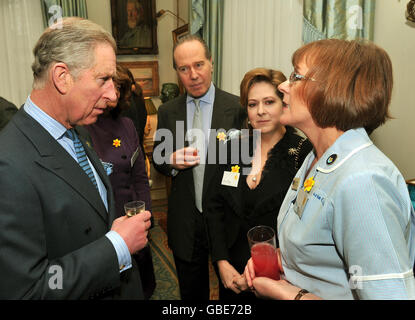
pixel 151 108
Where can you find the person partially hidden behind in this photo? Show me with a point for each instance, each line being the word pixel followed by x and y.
pixel 60 236
pixel 204 107
pixel 7 111
pixel 138 34
pixel 256 197
pixel 116 142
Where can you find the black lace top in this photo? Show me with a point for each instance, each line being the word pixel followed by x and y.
pixel 234 210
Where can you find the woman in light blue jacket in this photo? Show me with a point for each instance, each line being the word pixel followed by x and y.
pixel 346 228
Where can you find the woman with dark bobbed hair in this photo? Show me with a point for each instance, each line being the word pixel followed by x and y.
pixel 277 153
pixel 117 144
pixel 347 231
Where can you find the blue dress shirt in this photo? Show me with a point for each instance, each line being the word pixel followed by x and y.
pixel 57 131
pixel 206 107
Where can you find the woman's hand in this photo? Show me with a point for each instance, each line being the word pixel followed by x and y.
pixel 267 288
pixel 227 273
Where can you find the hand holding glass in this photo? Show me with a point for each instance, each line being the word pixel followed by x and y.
pixel 134 207
pixel 263 252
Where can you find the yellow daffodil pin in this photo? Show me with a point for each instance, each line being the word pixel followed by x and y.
pixel 221 136
pixel 116 143
pixel 308 184
pixel 235 168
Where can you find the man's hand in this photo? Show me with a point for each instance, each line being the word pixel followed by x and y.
pixel 133 230
pixel 184 158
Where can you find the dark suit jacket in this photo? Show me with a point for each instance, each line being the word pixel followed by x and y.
pixel 227 114
pixel 52 216
pixel 7 111
pixel 230 215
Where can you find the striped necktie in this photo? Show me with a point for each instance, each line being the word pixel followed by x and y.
pixel 81 155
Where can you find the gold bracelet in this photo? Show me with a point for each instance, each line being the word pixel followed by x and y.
pixel 300 294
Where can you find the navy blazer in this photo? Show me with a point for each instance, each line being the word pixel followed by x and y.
pixel 52 218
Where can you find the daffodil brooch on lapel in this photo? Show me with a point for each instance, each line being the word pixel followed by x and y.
pixel 235 168
pixel 221 136
pixel 116 143
pixel 308 184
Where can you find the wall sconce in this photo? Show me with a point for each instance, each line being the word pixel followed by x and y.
pixel 162 12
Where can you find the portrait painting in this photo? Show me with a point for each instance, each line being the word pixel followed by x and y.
pixel 134 26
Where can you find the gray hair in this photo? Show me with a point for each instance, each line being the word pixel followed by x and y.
pixel 72 42
pixel 188 38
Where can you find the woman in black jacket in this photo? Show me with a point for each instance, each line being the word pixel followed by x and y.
pixel 255 197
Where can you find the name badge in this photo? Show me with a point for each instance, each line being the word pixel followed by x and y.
pixel 134 157
pixel 300 202
pixel 230 179
pixel 295 184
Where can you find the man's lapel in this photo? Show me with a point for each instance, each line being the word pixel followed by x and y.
pixel 99 168
pixel 53 157
pixel 220 120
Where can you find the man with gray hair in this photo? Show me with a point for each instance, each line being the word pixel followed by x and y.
pixel 138 34
pixel 59 234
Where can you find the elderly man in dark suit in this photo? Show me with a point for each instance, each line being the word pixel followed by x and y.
pixel 59 237
pixel 7 111
pixel 204 107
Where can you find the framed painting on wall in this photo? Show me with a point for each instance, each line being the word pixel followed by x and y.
pixel 180 32
pixel 134 26
pixel 146 74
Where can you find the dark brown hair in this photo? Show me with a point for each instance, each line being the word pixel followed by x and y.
pixel 123 83
pixel 273 77
pixel 353 84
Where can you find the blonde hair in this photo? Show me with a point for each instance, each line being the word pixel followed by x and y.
pixel 72 42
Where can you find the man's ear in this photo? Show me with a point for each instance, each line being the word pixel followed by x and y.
pixel 61 77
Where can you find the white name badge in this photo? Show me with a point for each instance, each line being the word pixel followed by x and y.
pixel 300 203
pixel 134 157
pixel 230 179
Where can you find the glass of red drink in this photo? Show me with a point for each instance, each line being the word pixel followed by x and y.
pixel 264 253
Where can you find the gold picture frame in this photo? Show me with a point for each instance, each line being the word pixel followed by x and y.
pixel 146 74
pixel 180 32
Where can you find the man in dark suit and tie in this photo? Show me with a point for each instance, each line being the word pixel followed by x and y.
pixel 204 107
pixel 59 238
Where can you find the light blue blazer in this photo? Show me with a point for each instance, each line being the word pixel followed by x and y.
pixel 355 237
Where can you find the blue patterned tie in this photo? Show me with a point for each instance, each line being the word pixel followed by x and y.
pixel 81 155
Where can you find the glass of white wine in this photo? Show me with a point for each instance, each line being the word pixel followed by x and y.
pixel 134 207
